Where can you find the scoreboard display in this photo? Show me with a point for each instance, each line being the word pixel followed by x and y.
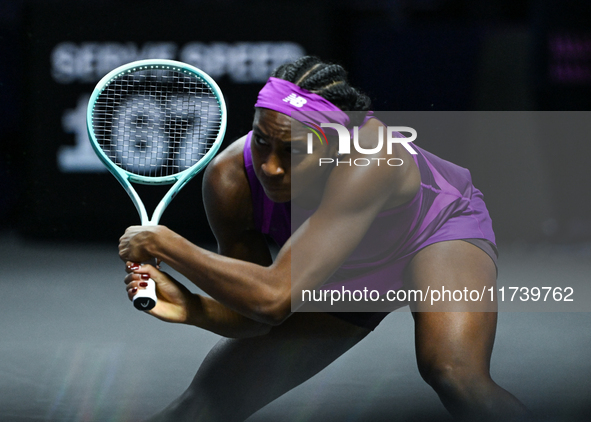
pixel 67 55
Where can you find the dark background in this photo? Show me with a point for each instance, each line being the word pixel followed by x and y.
pixel 421 55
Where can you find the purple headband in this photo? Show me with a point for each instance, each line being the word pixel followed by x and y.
pixel 286 97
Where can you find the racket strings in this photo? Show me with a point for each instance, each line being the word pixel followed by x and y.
pixel 156 122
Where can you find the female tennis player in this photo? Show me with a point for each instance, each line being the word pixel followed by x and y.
pixel 438 233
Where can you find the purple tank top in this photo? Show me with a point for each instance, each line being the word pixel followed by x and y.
pixel 446 207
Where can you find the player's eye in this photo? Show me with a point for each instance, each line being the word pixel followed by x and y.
pixel 260 141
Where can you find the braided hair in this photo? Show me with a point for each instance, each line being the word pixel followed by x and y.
pixel 325 79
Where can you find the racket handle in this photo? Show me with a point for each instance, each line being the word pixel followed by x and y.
pixel 145 299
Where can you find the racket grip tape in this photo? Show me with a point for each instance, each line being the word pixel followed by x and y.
pixel 145 299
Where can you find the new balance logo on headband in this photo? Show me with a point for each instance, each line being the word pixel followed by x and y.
pixel 295 100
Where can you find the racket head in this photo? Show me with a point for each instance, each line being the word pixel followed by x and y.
pixel 156 121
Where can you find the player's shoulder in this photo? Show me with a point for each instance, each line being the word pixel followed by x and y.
pixel 225 185
pixel 226 170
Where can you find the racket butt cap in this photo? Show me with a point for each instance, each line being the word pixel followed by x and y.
pixel 144 303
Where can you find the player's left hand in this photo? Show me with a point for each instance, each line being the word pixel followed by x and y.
pixel 138 243
pixel 175 302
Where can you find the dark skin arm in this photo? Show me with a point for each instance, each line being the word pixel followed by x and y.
pixel 229 210
pixel 263 293
pixel 179 305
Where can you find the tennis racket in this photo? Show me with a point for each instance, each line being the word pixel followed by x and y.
pixel 155 122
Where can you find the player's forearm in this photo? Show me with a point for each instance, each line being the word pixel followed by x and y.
pixel 257 292
pixel 208 314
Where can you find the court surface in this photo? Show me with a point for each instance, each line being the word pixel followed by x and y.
pixel 73 349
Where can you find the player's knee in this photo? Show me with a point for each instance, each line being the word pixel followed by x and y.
pixel 453 378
